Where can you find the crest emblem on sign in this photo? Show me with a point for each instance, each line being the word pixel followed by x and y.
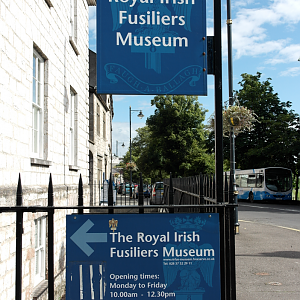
pixel 113 224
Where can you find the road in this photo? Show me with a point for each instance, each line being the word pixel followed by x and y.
pixel 125 200
pixel 268 252
pixel 271 214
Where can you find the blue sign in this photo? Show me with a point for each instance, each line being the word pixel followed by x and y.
pixel 174 256
pixel 151 47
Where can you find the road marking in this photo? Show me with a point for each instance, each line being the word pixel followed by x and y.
pixel 283 227
pixel 275 208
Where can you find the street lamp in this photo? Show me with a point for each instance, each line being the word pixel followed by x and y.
pixel 140 115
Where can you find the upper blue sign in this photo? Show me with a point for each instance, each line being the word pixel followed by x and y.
pixel 151 47
pixel 143 256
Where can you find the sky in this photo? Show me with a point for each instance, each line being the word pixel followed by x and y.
pixel 265 39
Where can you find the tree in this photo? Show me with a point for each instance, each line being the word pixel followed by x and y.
pixel 148 155
pixel 274 140
pixel 177 136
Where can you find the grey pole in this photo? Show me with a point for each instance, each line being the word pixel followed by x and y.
pixel 140 115
pixel 232 189
pixel 130 151
pixel 218 101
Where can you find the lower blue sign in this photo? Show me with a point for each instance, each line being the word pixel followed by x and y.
pixel 174 256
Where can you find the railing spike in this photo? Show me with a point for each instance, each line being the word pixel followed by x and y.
pixel 171 194
pixel 50 191
pixel 110 195
pixel 80 195
pixel 140 193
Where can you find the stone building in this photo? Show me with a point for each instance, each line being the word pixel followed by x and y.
pixel 100 134
pixel 44 128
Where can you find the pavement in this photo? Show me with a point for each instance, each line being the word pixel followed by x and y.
pixel 267 262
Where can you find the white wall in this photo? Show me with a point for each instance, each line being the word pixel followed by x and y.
pixel 25 24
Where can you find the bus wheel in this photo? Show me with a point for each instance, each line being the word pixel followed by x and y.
pixel 251 197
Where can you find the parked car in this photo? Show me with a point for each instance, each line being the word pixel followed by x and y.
pixel 146 191
pixel 157 193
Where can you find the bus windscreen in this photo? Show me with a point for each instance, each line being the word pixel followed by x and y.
pixel 278 180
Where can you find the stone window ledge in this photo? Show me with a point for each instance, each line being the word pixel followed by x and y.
pixel 39 289
pixel 40 162
pixel 73 168
pixel 73 44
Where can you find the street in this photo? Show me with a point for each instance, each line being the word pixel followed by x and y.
pixel 126 200
pixel 271 214
pixel 268 252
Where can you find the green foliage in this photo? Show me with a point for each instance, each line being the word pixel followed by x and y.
pixel 172 141
pixel 177 136
pixel 274 140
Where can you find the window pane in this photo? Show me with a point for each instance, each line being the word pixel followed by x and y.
pixel 34 66
pixel 37 265
pixel 40 93
pixel 37 104
pixel 42 271
pixel 251 181
pixel 40 235
pixel 34 91
pixel 39 70
pixel 259 180
pixel 244 180
pixel 36 233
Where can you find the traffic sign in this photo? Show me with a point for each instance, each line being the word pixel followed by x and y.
pixel 145 256
pixel 151 47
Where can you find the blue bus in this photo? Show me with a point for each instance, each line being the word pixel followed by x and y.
pixel 272 183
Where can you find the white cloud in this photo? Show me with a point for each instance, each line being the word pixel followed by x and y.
pixel 121 134
pixel 118 98
pixel 251 31
pixel 288 54
pixel 291 72
pixel 288 10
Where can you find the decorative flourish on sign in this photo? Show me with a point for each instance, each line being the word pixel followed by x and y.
pixel 187 224
pixel 114 72
pixel 188 259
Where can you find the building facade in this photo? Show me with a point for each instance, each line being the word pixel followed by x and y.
pixel 100 135
pixel 44 129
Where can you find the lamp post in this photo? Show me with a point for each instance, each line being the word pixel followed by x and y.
pixel 140 115
pixel 232 189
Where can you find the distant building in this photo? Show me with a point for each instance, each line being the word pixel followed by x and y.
pixel 117 170
pixel 44 128
pixel 100 134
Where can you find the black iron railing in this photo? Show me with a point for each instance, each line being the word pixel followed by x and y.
pixel 194 194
